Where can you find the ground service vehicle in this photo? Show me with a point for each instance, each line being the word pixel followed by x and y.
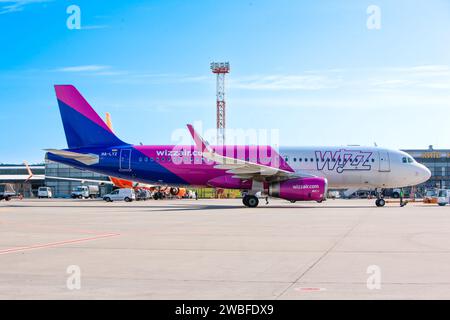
pixel 443 197
pixel 6 192
pixel 142 194
pixel 85 192
pixel 126 195
pixel 45 192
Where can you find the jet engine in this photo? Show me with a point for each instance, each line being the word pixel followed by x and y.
pixel 300 189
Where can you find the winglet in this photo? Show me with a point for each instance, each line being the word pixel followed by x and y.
pixel 199 141
pixel 29 171
pixel 108 121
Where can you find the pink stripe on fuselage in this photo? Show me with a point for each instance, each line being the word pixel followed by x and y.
pixel 71 97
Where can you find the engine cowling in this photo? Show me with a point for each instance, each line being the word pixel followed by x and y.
pixel 300 189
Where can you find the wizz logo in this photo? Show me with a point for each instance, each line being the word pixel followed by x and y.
pixel 342 160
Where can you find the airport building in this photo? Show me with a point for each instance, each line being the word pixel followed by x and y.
pixel 63 188
pixel 438 161
pixel 18 176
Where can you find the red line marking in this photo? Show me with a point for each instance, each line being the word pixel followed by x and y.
pixel 306 289
pixel 56 244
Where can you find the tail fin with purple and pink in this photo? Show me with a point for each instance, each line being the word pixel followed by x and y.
pixel 82 125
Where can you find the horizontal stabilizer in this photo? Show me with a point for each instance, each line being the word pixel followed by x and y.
pixel 85 158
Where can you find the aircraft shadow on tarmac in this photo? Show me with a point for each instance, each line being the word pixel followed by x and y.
pixel 195 207
pixel 262 208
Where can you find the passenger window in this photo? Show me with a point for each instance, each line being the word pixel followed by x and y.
pixel 300 159
pixel 312 159
pixel 146 159
pixel 373 160
pixel 306 159
pixel 295 159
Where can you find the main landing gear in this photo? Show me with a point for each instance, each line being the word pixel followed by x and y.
pixel 250 201
pixel 380 202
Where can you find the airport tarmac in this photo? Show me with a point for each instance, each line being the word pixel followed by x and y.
pixel 217 249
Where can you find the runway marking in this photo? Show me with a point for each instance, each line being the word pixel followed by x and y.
pixel 56 244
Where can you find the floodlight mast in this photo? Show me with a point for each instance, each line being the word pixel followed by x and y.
pixel 220 69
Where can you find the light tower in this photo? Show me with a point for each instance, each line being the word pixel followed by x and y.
pixel 220 69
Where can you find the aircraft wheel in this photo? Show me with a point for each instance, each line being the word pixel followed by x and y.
pixel 252 201
pixel 380 202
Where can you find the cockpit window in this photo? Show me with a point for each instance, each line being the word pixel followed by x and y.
pixel 407 160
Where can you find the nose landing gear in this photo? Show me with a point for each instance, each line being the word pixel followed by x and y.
pixel 380 202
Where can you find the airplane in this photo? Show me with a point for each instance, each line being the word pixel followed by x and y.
pixel 293 174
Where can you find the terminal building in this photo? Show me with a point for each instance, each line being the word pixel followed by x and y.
pixel 17 175
pixel 438 161
pixel 63 188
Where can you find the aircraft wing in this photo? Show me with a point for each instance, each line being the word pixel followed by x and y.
pixel 240 168
pixel 85 158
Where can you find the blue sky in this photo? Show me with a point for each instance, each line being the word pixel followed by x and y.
pixel 311 69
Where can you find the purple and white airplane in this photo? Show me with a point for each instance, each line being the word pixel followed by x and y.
pixel 293 174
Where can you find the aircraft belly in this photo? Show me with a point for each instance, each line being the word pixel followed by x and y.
pixel 344 180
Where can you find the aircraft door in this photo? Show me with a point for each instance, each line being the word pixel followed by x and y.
pixel 125 160
pixel 384 161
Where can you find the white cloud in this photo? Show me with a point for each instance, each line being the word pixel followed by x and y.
pixel 286 82
pixel 83 68
pixel 412 78
pixel 9 6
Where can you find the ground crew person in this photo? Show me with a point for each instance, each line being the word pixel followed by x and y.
pixel 402 204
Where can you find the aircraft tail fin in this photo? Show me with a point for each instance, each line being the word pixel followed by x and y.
pixel 82 125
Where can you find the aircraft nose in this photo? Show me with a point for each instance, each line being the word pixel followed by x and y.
pixel 423 173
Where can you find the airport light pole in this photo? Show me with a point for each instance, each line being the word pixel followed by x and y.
pixel 220 69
